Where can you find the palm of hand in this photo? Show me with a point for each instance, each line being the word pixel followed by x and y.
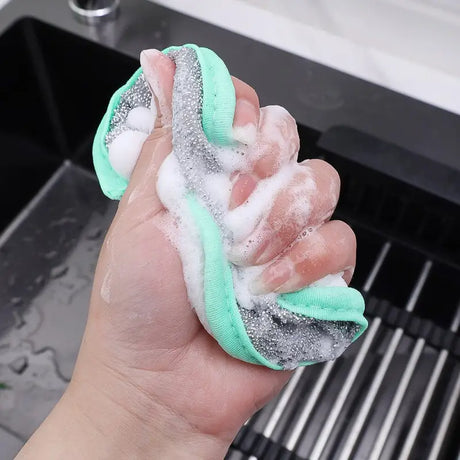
pixel 159 344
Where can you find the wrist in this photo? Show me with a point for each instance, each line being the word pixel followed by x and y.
pixel 108 418
pixel 133 425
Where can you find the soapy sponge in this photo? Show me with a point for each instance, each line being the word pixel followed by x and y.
pixel 279 331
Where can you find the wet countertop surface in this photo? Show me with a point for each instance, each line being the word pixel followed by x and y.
pixel 47 261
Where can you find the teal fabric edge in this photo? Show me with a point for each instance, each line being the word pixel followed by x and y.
pixel 328 303
pixel 219 98
pixel 217 116
pixel 323 303
pixel 220 302
pixel 112 184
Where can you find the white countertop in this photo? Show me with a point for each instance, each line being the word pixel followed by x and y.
pixel 410 46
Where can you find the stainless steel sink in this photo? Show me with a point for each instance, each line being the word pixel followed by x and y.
pixel 53 95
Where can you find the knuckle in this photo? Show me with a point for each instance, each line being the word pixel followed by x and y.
pixel 158 133
pixel 326 169
pixel 347 235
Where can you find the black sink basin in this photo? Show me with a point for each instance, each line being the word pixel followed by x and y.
pixel 53 91
pixel 52 99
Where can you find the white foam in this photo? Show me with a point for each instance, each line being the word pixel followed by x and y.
pixel 142 119
pixel 241 282
pixel 218 186
pixel 242 220
pixel 124 151
pixel 331 280
pixel 170 185
pixel 245 134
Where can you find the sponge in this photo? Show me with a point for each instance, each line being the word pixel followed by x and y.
pixel 283 331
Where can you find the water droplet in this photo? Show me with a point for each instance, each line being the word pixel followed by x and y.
pixel 63 221
pixel 39 280
pixel 19 365
pixel 18 320
pixel 50 255
pixel 94 234
pixel 16 301
pixel 59 271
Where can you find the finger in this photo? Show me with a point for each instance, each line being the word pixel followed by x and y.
pixel 307 201
pixel 142 188
pixel 329 249
pixel 159 71
pixel 278 141
pixel 277 144
pixel 247 112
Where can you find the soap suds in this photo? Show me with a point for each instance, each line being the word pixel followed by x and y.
pixel 142 118
pixel 129 127
pixel 242 220
pixel 106 287
pixel 331 280
pixel 124 151
pixel 245 134
pixel 202 169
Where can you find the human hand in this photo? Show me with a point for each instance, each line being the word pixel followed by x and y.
pixel 146 363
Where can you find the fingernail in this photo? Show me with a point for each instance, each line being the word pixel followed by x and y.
pixel 148 60
pixel 150 54
pixel 149 68
pixel 243 253
pixel 272 278
pixel 243 186
pixel 265 252
pixel 149 63
pixel 245 123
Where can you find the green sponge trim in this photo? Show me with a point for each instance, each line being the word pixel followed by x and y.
pixel 112 184
pixel 327 303
pixel 220 302
pixel 322 303
pixel 217 115
pixel 219 98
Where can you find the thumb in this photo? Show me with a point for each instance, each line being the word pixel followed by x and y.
pixel 159 71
